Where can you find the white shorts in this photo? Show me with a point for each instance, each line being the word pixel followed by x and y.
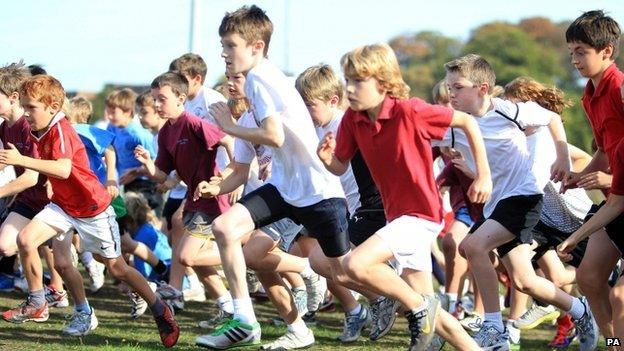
pixel 99 234
pixel 410 239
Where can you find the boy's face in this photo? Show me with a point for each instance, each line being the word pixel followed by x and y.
pixel 166 103
pixel 364 93
pixel 148 116
pixel 322 112
pixel 5 106
pixel 118 117
pixel 464 94
pixel 589 62
pixel 37 113
pixel 239 55
pixel 194 84
pixel 235 85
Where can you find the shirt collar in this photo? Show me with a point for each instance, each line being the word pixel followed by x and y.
pixel 592 91
pixel 59 116
pixel 385 113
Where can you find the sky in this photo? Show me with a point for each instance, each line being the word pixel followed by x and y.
pixel 87 44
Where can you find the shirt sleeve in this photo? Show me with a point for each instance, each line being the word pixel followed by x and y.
pixel 617 168
pixel 164 161
pixel 346 145
pixel 432 120
pixel 100 139
pixel 146 139
pixel 243 151
pixel 531 114
pixel 261 101
pixel 209 133
pixel 64 145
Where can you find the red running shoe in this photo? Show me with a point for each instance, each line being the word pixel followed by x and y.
pixel 25 312
pixel 167 327
pixel 566 332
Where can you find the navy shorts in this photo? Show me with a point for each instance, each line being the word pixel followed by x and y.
pixel 326 220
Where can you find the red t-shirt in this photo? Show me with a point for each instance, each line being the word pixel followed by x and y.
pixel 81 195
pixel 189 145
pixel 617 167
pixel 35 197
pixel 397 150
pixel 605 110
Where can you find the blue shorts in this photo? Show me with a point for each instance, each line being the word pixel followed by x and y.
pixel 463 216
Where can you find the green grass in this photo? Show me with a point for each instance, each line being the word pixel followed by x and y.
pixel 117 331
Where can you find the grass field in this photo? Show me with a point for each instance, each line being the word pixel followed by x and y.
pixel 119 332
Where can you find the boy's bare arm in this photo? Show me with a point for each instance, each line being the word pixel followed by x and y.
pixel 60 168
pixel 228 143
pixel 151 170
pixel 24 181
pixel 111 172
pixel 560 170
pixel 325 152
pixel 218 186
pixel 270 132
pixel 481 187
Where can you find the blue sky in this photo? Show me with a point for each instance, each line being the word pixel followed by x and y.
pixel 88 43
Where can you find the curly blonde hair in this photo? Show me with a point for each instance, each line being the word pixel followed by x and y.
pixel 528 89
pixel 377 61
pixel 139 211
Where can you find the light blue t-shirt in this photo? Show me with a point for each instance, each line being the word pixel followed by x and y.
pixel 157 242
pixel 126 140
pixel 96 141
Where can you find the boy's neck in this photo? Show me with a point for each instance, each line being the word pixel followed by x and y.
pixel 483 106
pixel 597 78
pixel 178 114
pixel 373 113
pixel 125 123
pixel 192 96
pixel 335 112
pixel 257 61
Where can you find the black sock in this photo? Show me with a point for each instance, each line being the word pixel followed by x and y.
pixel 6 264
pixel 540 303
pixel 160 267
pixel 158 308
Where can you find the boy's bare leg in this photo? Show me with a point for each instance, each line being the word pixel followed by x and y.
pixel 456 265
pixel 280 296
pixel 447 326
pixel 593 275
pixel 555 271
pixel 294 279
pixel 616 298
pixel 176 274
pixel 71 275
pixel 9 230
pixel 56 281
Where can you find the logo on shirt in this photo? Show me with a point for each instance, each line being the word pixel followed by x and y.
pixel 182 141
pixel 199 111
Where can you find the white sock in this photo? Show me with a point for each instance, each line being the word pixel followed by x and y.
pixel 496 319
pixel 243 310
pixel 307 271
pixel 356 310
pixel 452 301
pixel 194 281
pixel 86 258
pixel 225 303
pixel 298 327
pixel 578 309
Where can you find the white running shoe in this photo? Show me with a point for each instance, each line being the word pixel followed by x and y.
pixel 96 273
pixel 81 323
pixel 291 341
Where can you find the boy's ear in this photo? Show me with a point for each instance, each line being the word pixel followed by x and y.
pixel 484 88
pixel 607 52
pixel 197 78
pixel 182 98
pixel 258 47
pixel 14 97
pixel 334 100
pixel 54 107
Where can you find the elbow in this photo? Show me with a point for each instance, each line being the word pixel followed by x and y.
pixel 276 140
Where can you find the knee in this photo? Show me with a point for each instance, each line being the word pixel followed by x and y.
pixel 7 250
pixel 221 229
pixel 24 242
pixel 449 246
pixel 524 284
pixel 186 260
pixel 470 248
pixel 61 264
pixel 616 297
pixel 117 268
pixel 353 268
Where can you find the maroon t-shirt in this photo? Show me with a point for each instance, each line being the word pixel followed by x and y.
pixel 18 134
pixel 189 145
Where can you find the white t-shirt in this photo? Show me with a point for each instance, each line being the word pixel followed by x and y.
pixel 297 172
pixel 349 185
pixel 245 152
pixel 511 163
pixel 199 107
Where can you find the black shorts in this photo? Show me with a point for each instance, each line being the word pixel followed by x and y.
pixel 326 221
pixel 23 210
pixel 171 206
pixel 518 214
pixel 615 229
pixel 364 224
pixel 548 238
